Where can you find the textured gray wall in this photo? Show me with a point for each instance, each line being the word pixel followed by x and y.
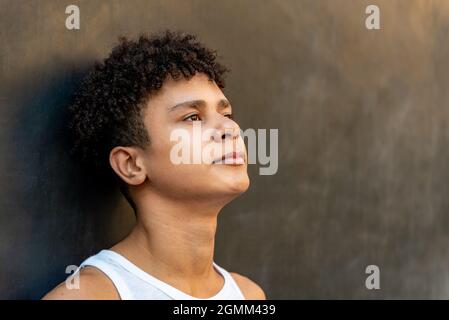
pixel 363 123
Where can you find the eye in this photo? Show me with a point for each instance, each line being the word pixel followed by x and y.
pixel 192 117
pixel 229 115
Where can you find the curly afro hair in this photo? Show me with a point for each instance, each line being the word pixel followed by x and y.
pixel 106 110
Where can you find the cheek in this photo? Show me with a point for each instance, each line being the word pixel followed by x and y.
pixel 159 163
pixel 163 171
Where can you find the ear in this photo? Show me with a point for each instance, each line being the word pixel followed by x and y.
pixel 128 165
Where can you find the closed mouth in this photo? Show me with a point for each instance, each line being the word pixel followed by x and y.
pixel 231 158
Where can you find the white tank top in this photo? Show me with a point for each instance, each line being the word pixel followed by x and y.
pixel 132 283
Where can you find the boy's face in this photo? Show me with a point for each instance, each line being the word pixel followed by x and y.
pixel 171 110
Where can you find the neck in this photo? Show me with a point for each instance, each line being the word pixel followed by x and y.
pixel 174 239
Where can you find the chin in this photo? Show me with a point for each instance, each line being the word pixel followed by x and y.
pixel 235 184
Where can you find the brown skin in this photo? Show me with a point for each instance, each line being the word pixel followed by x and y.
pixel 177 205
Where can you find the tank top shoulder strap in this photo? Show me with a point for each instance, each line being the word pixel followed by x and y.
pixel 230 279
pixel 108 269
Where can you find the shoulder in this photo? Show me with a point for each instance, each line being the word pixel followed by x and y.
pixel 250 289
pixel 93 285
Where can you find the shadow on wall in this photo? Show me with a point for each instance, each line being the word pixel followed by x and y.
pixel 60 212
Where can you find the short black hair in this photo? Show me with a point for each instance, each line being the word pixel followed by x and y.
pixel 106 109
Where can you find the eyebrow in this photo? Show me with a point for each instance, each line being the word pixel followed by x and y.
pixel 222 103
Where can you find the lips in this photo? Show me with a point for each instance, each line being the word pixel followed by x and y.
pixel 232 158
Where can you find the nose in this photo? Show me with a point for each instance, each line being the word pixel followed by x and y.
pixel 226 129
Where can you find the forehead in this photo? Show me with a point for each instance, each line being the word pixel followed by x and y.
pixel 199 87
